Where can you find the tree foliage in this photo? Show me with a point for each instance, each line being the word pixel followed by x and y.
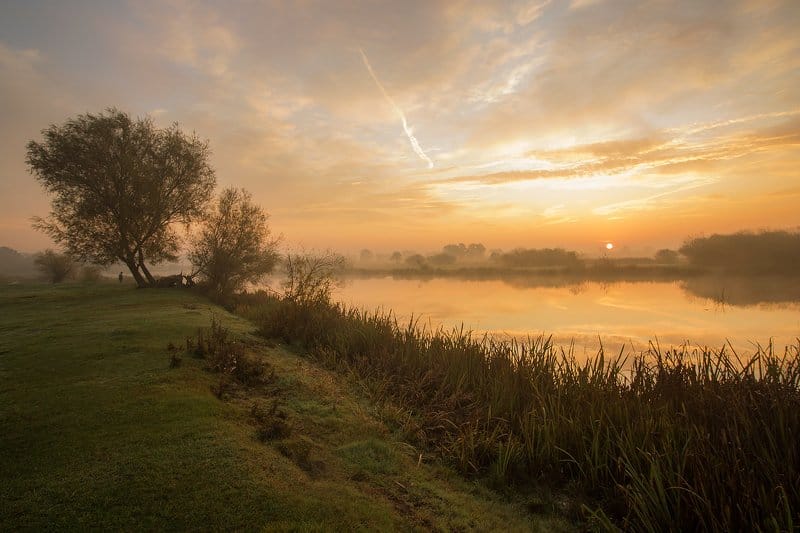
pixel 474 251
pixel 667 256
pixel 311 277
pixel 762 252
pixel 119 186
pixel 235 246
pixel 540 257
pixel 442 259
pixel 55 266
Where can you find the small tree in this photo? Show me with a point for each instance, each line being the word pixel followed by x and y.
pixel 119 186
pixel 456 250
pixel 310 277
pixel 416 260
pixel 56 267
pixel 235 246
pixel 667 256
pixel 442 259
pixel 476 251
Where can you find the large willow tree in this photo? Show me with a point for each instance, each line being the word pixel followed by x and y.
pixel 120 186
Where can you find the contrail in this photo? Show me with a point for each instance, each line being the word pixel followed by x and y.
pixel 413 140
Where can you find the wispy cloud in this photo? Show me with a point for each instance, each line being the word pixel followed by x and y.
pixel 656 155
pixel 413 140
pixel 647 202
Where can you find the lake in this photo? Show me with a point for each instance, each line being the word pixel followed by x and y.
pixel 702 311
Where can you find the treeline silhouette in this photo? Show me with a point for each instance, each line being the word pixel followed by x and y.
pixel 541 257
pixel 763 252
pixel 14 264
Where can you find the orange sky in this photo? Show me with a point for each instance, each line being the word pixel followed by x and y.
pixel 408 125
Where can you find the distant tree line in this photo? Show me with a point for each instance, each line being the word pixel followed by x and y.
pixel 746 252
pixel 539 258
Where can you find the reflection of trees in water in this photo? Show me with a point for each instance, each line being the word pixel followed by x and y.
pixel 745 290
pixel 548 282
pixel 722 289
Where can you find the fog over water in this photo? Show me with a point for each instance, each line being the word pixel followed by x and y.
pixel 701 311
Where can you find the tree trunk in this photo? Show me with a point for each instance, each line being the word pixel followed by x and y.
pixel 131 264
pixel 150 279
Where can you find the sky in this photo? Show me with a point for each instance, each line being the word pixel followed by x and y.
pixel 410 125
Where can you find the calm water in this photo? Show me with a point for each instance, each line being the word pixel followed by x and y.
pixel 701 312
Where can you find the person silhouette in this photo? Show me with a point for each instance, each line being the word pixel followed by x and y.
pixel 120 277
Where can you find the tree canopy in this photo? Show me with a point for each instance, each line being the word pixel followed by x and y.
pixel 119 187
pixel 760 252
pixel 235 246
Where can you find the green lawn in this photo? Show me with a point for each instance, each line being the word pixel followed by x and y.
pixel 96 431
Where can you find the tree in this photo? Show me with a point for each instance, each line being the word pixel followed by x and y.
pixel 667 256
pixel 56 267
pixel 235 246
pixel 311 277
pixel 416 260
pixel 476 251
pixel 120 186
pixel 761 252
pixel 456 250
pixel 442 259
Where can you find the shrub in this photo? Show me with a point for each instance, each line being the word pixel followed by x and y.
pixel 54 266
pixel 228 357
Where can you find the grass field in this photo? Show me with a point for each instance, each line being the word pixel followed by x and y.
pixel 98 432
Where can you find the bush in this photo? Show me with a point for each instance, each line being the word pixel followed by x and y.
pixel 55 267
pixel 90 273
pixel 228 357
pixel 311 277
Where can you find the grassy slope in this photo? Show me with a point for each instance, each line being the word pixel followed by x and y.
pixel 96 431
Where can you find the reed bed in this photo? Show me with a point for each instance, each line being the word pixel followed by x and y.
pixel 679 439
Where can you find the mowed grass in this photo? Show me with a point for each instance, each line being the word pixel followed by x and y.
pixel 96 431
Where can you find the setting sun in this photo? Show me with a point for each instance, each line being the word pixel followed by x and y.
pixel 609 246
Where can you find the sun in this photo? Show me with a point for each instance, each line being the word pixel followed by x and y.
pixel 609 246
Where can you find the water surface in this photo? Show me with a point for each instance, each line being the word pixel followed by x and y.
pixel 700 312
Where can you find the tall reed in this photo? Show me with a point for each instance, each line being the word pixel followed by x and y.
pixel 679 439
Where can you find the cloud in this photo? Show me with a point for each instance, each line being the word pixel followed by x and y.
pixel 192 36
pixel 648 202
pixel 413 140
pixel 657 154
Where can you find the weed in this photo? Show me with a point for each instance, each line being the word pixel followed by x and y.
pixel 174 356
pixel 683 438
pixel 271 423
pixel 227 356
